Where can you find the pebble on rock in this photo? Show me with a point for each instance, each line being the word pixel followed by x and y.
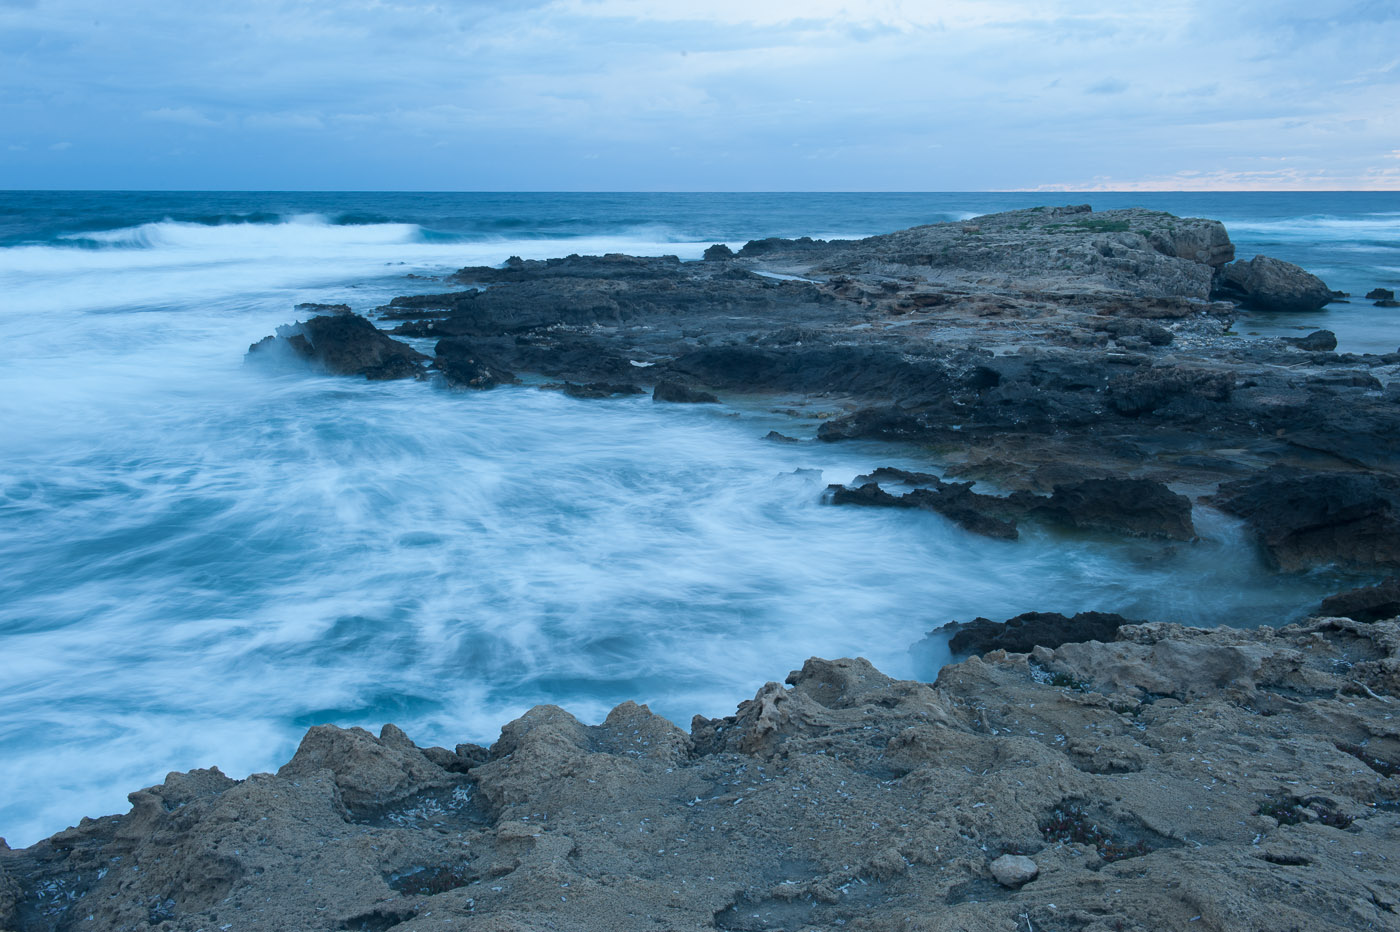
pixel 1014 870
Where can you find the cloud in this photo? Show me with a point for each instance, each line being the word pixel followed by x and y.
pixel 280 121
pixel 60 146
pixel 186 116
pixel 706 93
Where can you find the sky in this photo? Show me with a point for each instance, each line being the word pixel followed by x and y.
pixel 678 95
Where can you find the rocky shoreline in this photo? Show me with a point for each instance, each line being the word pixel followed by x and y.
pixel 1088 773
pixel 1171 778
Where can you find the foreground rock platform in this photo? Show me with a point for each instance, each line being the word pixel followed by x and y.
pixel 1173 778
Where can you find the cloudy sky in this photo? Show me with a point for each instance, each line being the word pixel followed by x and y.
pixel 700 94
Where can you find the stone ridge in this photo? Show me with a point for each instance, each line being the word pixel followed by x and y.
pixel 1172 778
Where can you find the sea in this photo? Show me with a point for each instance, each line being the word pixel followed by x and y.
pixel 199 560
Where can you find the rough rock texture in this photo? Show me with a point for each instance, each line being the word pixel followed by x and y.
pixel 1032 629
pixel 1273 285
pixel 343 344
pixel 1302 519
pixel 1367 603
pixel 1136 507
pixel 1007 348
pixel 1176 778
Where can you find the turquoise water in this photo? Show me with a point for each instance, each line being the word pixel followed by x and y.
pixel 202 559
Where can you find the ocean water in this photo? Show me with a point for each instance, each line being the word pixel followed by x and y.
pixel 202 559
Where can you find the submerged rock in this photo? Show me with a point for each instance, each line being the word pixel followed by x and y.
pixel 677 393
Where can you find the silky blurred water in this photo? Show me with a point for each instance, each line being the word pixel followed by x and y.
pixel 203 559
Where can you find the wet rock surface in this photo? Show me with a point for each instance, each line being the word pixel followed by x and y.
pixel 1027 631
pixel 1007 348
pixel 343 344
pixel 1169 778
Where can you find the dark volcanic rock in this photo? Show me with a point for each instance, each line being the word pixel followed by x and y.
pixel 1025 632
pixel 1368 603
pixel 1273 285
pixel 1380 294
pixel 1139 507
pixel 718 251
pixel 1145 391
pixel 314 308
pixel 1319 341
pixel 344 344
pixel 463 364
pixel 677 393
pixel 953 500
pixel 595 389
pixel 1305 519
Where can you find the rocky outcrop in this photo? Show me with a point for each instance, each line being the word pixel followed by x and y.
pixel 1273 285
pixel 342 344
pixel 1005 349
pixel 1137 507
pixel 1366 603
pixel 1169 778
pixel 1025 632
pixel 1304 519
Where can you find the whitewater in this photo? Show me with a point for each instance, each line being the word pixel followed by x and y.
pixel 203 559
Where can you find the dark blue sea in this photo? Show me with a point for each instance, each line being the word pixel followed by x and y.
pixel 201 560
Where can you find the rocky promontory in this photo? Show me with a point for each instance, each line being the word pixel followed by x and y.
pixel 1169 778
pixel 1059 353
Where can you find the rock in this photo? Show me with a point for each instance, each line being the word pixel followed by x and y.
pixel 843 799
pixel 718 252
pixel 1032 629
pixel 1319 341
pixel 1139 507
pixel 1368 603
pixel 343 344
pixel 595 389
pixel 1388 302
pixel 463 365
pixel 1273 285
pixel 677 393
pixel 774 437
pixel 1306 519
pixel 1380 294
pixel 1187 390
pixel 313 308
pixel 1014 870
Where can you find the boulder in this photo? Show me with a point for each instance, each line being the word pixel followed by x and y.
pixel 1319 341
pixel 343 344
pixel 1014 870
pixel 1380 294
pixel 1367 603
pixel 718 252
pixel 1305 519
pixel 1268 284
